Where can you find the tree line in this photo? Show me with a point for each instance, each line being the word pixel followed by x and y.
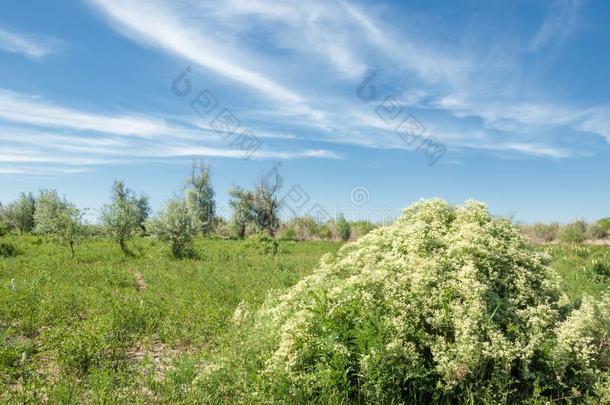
pixel 183 218
pixel 574 232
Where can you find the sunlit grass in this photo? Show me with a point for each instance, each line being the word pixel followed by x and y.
pixel 95 325
pixel 109 327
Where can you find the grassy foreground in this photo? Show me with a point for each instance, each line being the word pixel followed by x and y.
pixel 104 327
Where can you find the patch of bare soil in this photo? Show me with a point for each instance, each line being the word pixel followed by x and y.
pixel 140 283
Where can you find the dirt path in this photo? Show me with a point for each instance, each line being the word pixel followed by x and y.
pixel 140 283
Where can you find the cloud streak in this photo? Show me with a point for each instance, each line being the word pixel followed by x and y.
pixel 31 46
pixel 159 25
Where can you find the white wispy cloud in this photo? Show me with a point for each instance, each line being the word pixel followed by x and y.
pixel 34 110
pixel 39 171
pixel 159 25
pixel 29 45
pixel 299 58
pixel 558 25
pixel 26 146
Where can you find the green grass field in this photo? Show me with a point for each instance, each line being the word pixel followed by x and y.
pixel 105 327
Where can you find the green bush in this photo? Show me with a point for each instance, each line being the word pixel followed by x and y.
pixel 601 268
pixel 287 233
pixel 325 231
pixel 263 242
pixel 344 228
pixel 361 228
pixel 596 232
pixel 539 232
pixel 604 223
pixel 3 229
pixel 175 225
pixel 574 232
pixel 7 250
pixel 447 305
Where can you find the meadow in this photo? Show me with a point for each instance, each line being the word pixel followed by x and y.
pixel 106 326
pixel 139 327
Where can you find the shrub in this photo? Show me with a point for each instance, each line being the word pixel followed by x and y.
pixel 604 223
pixel 596 232
pixel 344 228
pixel 361 228
pixel 574 232
pixel 3 228
pixel 542 232
pixel 601 268
pixel 287 233
pixel 7 250
pixel 325 231
pixel 264 243
pixel 583 344
pixel 176 226
pixel 446 305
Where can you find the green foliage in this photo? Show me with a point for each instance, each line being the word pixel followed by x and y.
pixel 596 232
pixel 242 202
pixel 361 228
pixel 176 226
pixel 542 233
pixel 344 228
pixel 20 213
pixel 59 218
pixel 266 204
pixel 86 330
pixel 574 232
pixel 604 223
pixel 143 211
pixel 582 351
pixel 258 209
pixel 4 229
pixel 581 268
pixel 7 250
pixel 287 232
pixel 263 243
pixel 325 231
pixel 447 305
pixel 305 228
pixel 121 217
pixel 601 268
pixel 200 197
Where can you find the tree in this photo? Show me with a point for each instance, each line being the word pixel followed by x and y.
pixel 20 213
pixel 604 223
pixel 266 204
pixel 121 217
pixel 344 228
pixel 4 227
pixel 242 202
pixel 200 197
pixel 57 217
pixel 176 226
pixel 143 209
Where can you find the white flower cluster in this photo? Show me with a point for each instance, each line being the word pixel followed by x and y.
pixel 449 303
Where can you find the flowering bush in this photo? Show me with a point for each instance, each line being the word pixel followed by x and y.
pixel 447 304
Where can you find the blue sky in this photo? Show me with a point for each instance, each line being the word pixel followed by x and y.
pixel 513 96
